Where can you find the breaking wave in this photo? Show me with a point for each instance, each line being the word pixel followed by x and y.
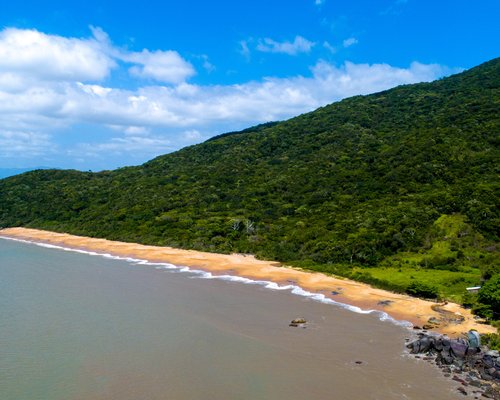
pixel 196 273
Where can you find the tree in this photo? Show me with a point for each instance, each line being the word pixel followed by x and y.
pixel 489 295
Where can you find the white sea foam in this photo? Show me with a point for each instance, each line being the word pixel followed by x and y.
pixel 196 273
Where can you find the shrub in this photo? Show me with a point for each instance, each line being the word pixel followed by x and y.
pixel 492 340
pixel 469 299
pixel 482 310
pixel 421 289
pixel 489 295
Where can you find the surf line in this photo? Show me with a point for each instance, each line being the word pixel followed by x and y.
pixel 198 273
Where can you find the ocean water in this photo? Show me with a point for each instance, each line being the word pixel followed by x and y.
pixel 80 326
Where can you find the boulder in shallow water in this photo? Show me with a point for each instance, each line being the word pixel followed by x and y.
pixel 298 322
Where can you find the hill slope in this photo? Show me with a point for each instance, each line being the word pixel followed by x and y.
pixel 361 183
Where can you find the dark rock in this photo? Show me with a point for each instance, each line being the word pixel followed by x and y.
pixel 471 366
pixel 438 344
pixel 448 359
pixel 473 374
pixel 358 362
pixel 475 383
pixel 385 302
pixel 485 376
pixel 462 390
pixel 488 361
pixel 471 351
pixel 458 363
pixel 459 348
pixel 425 344
pixel 416 327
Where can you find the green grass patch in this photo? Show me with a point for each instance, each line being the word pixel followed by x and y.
pixel 451 285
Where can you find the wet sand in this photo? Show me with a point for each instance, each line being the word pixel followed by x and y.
pixel 400 307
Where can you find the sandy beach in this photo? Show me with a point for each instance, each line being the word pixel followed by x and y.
pixel 400 307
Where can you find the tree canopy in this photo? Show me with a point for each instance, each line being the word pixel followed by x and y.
pixel 402 178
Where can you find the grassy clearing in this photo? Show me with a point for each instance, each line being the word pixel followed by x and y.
pixel 450 285
pixel 454 258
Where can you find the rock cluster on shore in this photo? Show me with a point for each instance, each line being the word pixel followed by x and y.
pixel 477 369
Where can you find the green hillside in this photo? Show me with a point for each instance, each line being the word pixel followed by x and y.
pixel 392 188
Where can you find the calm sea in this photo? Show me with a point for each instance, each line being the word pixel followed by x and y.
pixel 77 326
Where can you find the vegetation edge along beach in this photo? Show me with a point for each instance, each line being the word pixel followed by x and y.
pixel 449 318
pixel 398 189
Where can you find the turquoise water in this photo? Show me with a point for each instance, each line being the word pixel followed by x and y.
pixel 75 326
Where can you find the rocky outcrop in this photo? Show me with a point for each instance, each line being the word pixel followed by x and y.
pixel 298 322
pixel 476 368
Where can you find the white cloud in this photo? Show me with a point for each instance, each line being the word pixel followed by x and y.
pixel 136 130
pixel 145 145
pixel 28 57
pixel 19 144
pixel 244 49
pixel 196 106
pixel 329 47
pixel 299 45
pixel 350 42
pixel 36 106
pixel 192 135
pixel 192 106
pixel 32 54
pixel 208 66
pixel 162 66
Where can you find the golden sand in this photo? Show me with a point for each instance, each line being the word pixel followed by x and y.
pixel 399 306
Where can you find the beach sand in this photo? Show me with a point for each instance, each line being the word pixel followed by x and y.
pixel 398 306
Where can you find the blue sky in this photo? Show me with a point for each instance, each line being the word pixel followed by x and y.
pixel 102 84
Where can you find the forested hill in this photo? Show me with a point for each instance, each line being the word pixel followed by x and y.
pixel 356 183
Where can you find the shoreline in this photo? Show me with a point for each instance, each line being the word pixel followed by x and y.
pixel 398 306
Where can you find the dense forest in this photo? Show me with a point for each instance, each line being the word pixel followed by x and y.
pixel 397 188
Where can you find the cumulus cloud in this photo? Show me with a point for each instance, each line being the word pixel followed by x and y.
pixel 28 57
pixel 162 66
pixel 299 45
pixel 188 105
pixel 37 105
pixel 32 54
